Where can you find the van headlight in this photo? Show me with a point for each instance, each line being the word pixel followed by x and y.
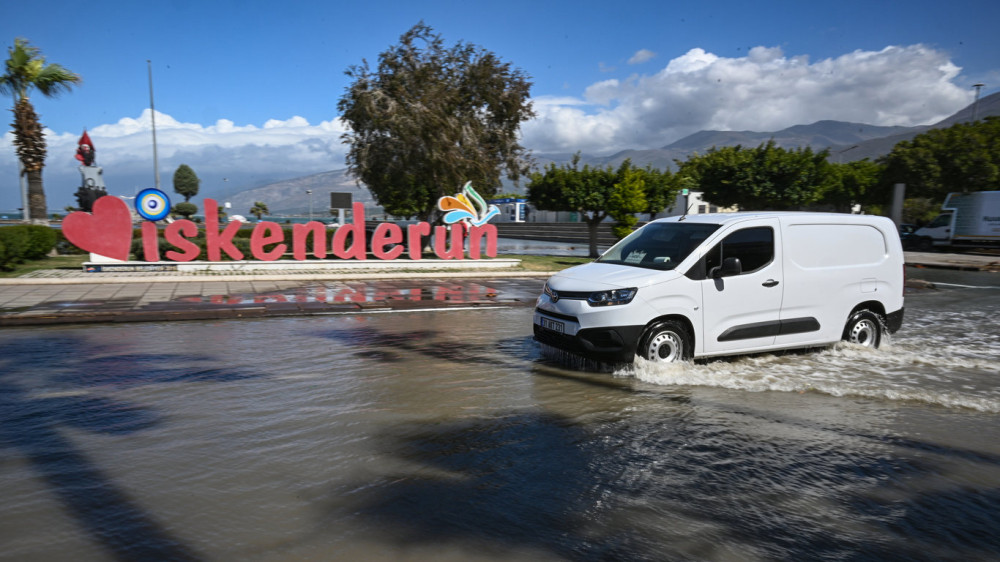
pixel 612 297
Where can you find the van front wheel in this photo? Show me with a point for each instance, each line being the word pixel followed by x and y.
pixel 864 328
pixel 666 342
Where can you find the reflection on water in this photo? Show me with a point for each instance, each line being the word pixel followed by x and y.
pixel 446 436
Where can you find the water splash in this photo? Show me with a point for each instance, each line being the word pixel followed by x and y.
pixel 902 371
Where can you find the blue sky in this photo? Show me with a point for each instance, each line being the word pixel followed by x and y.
pixel 248 90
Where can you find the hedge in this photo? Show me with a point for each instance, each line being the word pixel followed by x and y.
pixel 23 242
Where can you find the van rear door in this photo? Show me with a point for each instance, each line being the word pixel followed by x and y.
pixel 741 312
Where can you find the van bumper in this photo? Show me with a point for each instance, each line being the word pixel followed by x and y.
pixel 610 344
pixel 894 320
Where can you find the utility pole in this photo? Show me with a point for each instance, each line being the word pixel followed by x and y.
pixel 152 117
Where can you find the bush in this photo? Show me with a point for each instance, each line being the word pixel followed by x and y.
pixel 15 240
pixel 41 241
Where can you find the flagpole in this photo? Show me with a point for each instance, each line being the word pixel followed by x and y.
pixel 152 117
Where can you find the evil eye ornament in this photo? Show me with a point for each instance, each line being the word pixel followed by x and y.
pixel 152 204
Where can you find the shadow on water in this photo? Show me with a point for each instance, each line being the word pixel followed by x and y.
pixel 385 346
pixel 30 425
pixel 523 481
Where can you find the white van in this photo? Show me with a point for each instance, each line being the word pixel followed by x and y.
pixel 729 283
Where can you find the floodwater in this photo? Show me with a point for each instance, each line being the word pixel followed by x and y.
pixel 448 435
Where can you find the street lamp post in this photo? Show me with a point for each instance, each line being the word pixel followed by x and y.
pixel 309 192
pixel 975 104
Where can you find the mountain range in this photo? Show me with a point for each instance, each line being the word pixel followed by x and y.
pixel 847 142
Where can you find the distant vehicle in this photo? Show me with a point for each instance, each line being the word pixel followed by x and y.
pixel 968 220
pixel 907 235
pixel 726 284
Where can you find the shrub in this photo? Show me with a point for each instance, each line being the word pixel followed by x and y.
pixel 41 241
pixel 15 240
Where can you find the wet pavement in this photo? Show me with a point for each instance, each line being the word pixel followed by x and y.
pixel 137 298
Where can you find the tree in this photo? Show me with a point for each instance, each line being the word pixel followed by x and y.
pixel 856 184
pixel 766 177
pixel 568 188
pixel 660 190
pixel 185 209
pixel 627 198
pixel 963 157
pixel 431 118
pixel 259 209
pixel 26 70
pixel 186 182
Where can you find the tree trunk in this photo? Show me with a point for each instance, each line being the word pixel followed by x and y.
pixel 592 225
pixel 38 212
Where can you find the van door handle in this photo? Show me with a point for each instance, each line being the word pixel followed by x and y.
pixel 769 283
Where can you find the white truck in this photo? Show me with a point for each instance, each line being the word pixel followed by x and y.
pixel 729 283
pixel 970 220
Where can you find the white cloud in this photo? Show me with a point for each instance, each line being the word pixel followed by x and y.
pixel 763 91
pixel 641 56
pixel 247 155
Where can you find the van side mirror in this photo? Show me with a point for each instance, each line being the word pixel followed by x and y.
pixel 729 268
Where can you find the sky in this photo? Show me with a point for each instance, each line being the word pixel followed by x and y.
pixel 246 92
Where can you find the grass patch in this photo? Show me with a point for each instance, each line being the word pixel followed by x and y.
pixel 546 263
pixel 57 262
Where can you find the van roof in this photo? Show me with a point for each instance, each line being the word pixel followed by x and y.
pixel 727 218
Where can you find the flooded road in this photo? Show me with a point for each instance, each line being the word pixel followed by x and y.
pixel 448 435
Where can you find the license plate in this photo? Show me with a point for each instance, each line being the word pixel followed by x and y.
pixel 553 325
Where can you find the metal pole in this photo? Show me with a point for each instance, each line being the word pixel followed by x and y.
pixel 152 117
pixel 975 104
pixel 310 193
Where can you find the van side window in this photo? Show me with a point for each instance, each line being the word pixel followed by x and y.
pixel 753 246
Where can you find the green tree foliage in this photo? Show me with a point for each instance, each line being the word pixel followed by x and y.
pixel 764 178
pixel 628 197
pixel 185 209
pixel 855 183
pixel 963 157
pixel 26 70
pixel 661 188
pixel 431 118
pixel 593 192
pixel 259 209
pixel 186 182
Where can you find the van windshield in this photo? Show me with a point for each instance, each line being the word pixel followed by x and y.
pixel 658 245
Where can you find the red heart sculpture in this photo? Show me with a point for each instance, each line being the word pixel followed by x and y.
pixel 107 231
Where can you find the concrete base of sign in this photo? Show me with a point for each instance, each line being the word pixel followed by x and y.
pixel 300 266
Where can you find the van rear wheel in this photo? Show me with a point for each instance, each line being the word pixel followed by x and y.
pixel 666 342
pixel 864 328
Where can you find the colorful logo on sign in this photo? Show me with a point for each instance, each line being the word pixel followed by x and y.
pixel 468 207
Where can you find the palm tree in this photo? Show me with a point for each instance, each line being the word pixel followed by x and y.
pixel 26 70
pixel 259 209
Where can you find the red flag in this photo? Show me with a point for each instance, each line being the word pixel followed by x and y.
pixel 85 155
pixel 85 139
